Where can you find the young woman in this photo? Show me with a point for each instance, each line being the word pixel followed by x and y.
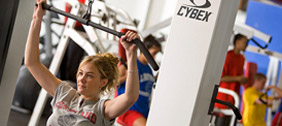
pixel 96 75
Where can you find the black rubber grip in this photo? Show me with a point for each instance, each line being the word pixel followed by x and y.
pixel 235 110
pixel 237 113
pixel 146 53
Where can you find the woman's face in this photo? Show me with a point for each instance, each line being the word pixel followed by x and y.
pixel 89 80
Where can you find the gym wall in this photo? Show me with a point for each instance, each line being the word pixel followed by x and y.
pixel 8 13
pixel 13 37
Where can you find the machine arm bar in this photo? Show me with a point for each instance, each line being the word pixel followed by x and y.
pixel 262 47
pixel 140 45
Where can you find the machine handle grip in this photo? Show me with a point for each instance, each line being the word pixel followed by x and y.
pixel 262 47
pixel 45 6
pixel 234 109
pixel 144 50
pixel 146 53
pixel 214 100
pixel 237 113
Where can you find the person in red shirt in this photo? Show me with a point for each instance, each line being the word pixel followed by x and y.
pixel 232 75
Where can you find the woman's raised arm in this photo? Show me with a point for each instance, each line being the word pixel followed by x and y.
pixel 42 75
pixel 120 104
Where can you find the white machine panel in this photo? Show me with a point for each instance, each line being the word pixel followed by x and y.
pixel 192 62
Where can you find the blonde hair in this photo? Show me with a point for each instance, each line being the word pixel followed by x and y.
pixel 107 66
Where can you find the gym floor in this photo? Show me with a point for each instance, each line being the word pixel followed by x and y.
pixel 20 119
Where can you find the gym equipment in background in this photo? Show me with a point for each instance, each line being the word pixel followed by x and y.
pixel 141 46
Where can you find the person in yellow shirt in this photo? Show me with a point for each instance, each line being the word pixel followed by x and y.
pixel 255 102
